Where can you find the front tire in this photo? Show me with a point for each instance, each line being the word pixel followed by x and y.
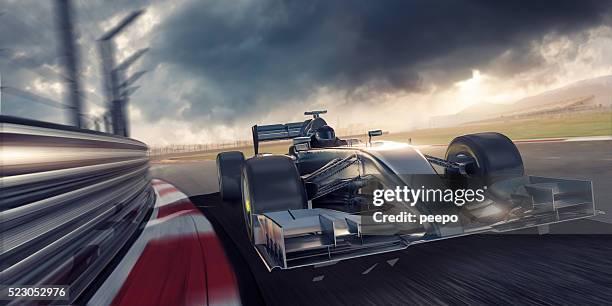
pixel 496 165
pixel 495 157
pixel 270 183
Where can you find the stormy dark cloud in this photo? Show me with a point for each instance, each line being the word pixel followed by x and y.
pixel 223 65
pixel 264 53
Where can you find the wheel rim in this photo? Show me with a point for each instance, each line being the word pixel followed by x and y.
pixel 247 207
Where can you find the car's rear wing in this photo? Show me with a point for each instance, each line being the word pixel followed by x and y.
pixel 275 132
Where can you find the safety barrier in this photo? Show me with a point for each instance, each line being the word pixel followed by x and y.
pixel 70 200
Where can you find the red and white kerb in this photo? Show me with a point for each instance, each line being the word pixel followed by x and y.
pixel 177 260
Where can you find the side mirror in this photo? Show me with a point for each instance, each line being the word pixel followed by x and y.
pixel 300 140
pixel 301 143
pixel 302 147
pixel 373 133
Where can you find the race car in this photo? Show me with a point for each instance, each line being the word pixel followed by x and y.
pixel 318 202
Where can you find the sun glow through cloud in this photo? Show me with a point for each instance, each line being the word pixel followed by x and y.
pixel 469 91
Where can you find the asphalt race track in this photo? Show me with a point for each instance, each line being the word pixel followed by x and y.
pixel 491 268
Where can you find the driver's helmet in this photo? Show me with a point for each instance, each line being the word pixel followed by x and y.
pixel 325 133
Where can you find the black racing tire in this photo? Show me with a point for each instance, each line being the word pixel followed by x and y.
pixel 270 183
pixel 229 165
pixel 495 157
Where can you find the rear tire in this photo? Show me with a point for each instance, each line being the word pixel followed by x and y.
pixel 495 157
pixel 270 183
pixel 229 165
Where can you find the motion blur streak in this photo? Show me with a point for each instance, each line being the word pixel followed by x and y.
pixel 70 200
pixel 177 260
pixel 34 155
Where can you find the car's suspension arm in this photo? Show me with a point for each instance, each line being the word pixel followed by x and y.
pixel 461 167
pixel 330 169
pixel 328 178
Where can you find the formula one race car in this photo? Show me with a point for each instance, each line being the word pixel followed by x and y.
pixel 317 203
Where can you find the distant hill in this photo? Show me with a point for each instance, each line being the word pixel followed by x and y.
pixel 600 88
pixel 594 92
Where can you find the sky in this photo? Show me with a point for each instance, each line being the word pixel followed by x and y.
pixel 215 68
